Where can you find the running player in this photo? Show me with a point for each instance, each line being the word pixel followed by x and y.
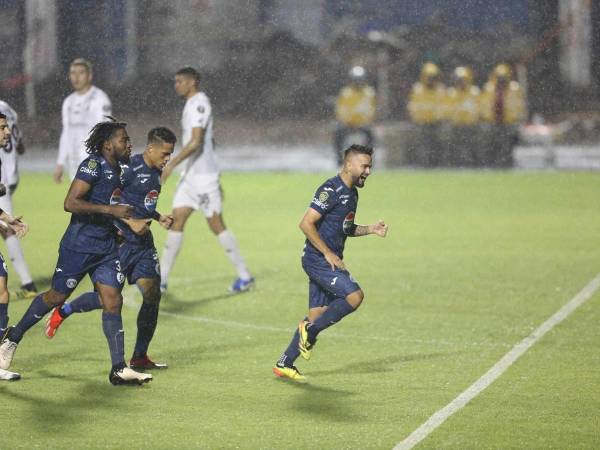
pixel 89 247
pixel 10 178
pixel 199 186
pixel 81 110
pixel 140 180
pixel 332 292
pixel 18 228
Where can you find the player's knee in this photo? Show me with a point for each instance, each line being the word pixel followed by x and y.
pixel 356 298
pixel 151 296
pixel 4 295
pixel 53 298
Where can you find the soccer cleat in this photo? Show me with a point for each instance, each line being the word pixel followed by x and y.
pixel 7 350
pixel 304 345
pixel 9 376
pixel 145 363
pixel 53 322
pixel 126 375
pixel 163 288
pixel 27 291
pixel 292 373
pixel 240 285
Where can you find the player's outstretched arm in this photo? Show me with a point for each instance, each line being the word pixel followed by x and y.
pixel 75 203
pixel 379 228
pixel 308 225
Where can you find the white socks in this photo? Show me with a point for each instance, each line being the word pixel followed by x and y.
pixel 170 252
pixel 15 253
pixel 229 244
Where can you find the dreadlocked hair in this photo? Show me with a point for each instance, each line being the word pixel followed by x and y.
pixel 102 132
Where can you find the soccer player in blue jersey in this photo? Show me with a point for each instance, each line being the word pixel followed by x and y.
pixel 18 228
pixel 89 247
pixel 332 292
pixel 141 186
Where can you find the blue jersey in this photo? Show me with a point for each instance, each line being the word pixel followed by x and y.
pixel 140 189
pixel 94 233
pixel 337 204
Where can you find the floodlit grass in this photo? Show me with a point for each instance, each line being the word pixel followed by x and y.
pixel 473 262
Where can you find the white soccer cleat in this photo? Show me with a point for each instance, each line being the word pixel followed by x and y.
pixel 128 376
pixel 9 376
pixel 7 351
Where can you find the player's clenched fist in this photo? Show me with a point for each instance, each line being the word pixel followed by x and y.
pixel 380 228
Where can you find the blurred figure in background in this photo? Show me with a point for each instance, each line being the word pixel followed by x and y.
pixel 463 114
pixel 81 110
pixel 10 177
pixel 426 107
pixel 503 106
pixel 355 110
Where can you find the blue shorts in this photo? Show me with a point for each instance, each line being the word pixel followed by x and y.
pixel 3 268
pixel 73 266
pixel 139 262
pixel 326 285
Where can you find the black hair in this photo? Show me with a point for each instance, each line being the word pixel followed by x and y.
pixel 361 149
pixel 190 72
pixel 101 133
pixel 2 116
pixel 161 134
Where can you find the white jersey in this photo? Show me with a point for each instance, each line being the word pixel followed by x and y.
pixel 8 153
pixel 201 167
pixel 79 114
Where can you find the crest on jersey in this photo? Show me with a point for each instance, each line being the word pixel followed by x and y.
pixel 92 164
pixel 71 283
pixel 348 222
pixel 200 109
pixel 115 198
pixel 151 200
pixel 323 196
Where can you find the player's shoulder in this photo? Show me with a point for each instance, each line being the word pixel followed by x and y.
pixel 92 165
pixel 200 99
pixel 332 186
pixel 99 93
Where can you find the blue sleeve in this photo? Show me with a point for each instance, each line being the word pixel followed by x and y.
pixel 324 200
pixel 89 171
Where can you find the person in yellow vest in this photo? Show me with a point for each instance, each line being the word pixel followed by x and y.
pixel 463 100
pixel 503 107
pixel 355 111
pixel 427 109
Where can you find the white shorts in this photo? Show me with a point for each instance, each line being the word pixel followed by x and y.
pixel 208 198
pixel 6 203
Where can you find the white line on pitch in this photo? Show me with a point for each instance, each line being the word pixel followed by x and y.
pixel 499 368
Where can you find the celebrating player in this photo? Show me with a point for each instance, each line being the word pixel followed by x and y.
pixel 332 292
pixel 199 186
pixel 140 180
pixel 17 228
pixel 89 247
pixel 81 110
pixel 10 178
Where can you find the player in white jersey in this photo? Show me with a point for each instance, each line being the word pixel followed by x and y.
pixel 81 110
pixel 199 186
pixel 10 178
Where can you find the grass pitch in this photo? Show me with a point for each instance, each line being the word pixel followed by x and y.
pixel 473 262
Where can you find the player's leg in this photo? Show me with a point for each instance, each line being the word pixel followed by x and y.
pixel 174 237
pixel 88 301
pixel 5 374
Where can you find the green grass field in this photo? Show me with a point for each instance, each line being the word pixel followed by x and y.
pixel 473 262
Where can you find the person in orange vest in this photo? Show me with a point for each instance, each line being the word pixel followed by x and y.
pixel 427 109
pixel 355 111
pixel 503 107
pixel 463 101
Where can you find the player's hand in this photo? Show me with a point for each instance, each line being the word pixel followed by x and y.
pixel 166 221
pixel 58 174
pixel 138 226
pixel 166 173
pixel 19 227
pixel 334 261
pixel 121 211
pixel 380 228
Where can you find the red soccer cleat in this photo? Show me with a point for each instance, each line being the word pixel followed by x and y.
pixel 53 323
pixel 146 363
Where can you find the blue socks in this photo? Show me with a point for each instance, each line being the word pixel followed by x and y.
pixel 3 317
pixel 291 353
pixel 33 315
pixel 84 303
pixel 112 325
pixel 146 324
pixel 335 312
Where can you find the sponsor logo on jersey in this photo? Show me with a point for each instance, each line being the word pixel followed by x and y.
pixel 71 283
pixel 115 198
pixel 92 164
pixel 151 200
pixel 323 196
pixel 348 222
pixel 92 172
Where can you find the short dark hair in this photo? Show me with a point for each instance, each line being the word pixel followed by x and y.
pixel 101 133
pixel 190 72
pixel 82 62
pixel 2 116
pixel 360 149
pixel 162 134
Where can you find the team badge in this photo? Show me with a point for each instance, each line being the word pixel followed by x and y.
pixel 120 278
pixel 92 164
pixel 200 109
pixel 71 283
pixel 151 200
pixel 323 196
